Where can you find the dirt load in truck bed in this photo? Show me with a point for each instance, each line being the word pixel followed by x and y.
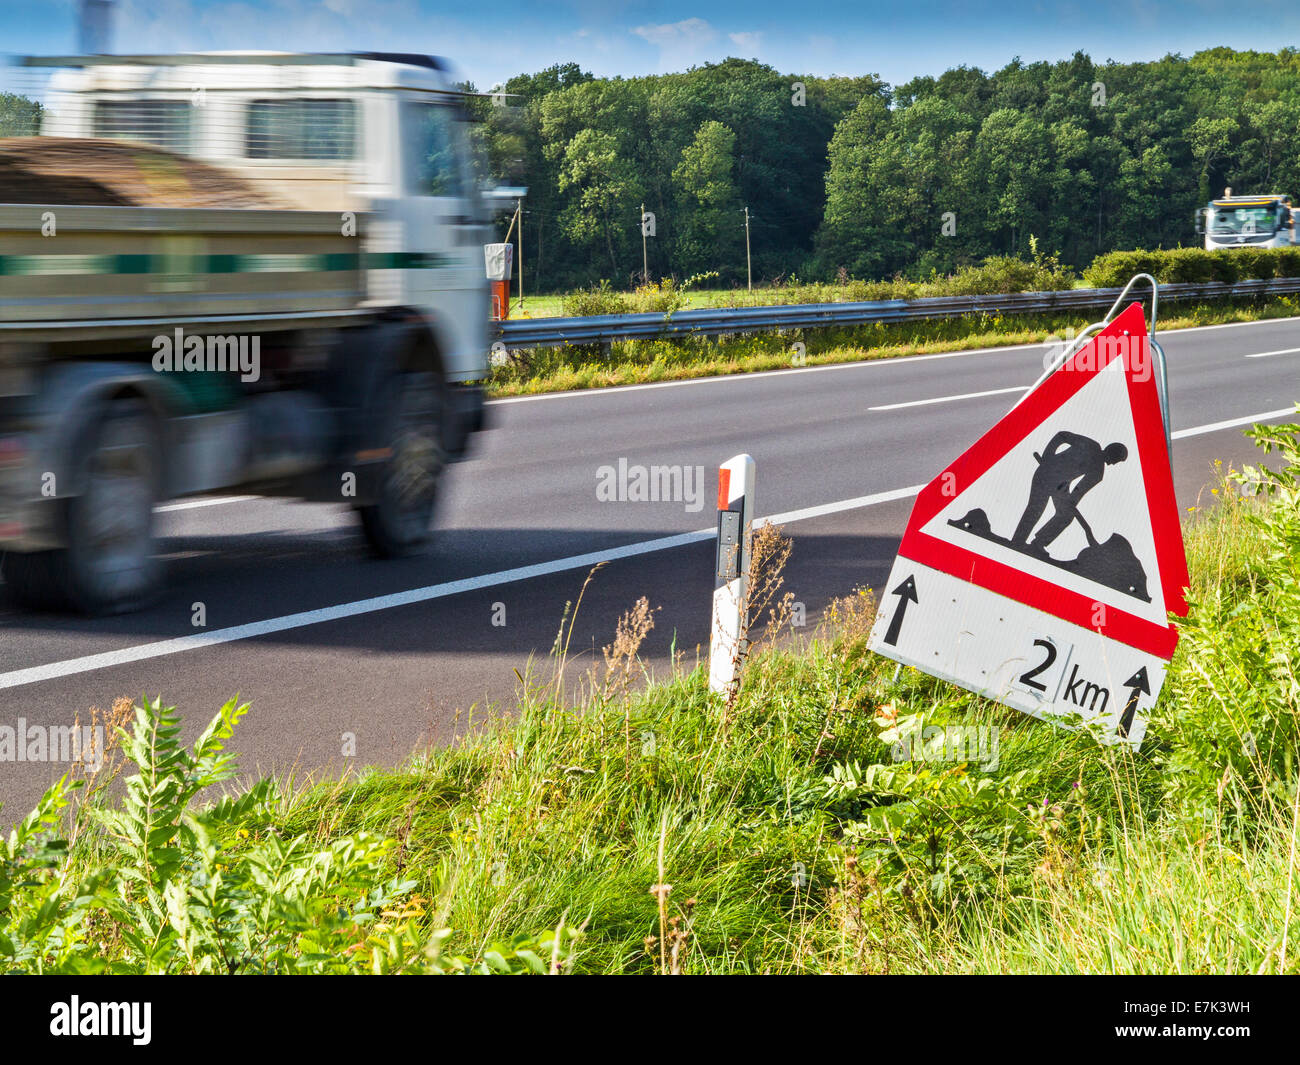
pixel 72 172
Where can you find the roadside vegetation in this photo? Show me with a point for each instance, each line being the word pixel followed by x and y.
pixel 822 820
pixel 995 275
pixel 633 362
pixel 643 361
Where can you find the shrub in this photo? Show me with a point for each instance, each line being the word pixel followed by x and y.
pixel 598 299
pixel 1000 274
pixel 1225 266
pixel 1114 269
pixel 1189 266
pixel 172 886
pixel 659 297
pixel 1256 264
pixel 1193 265
pixel 1287 261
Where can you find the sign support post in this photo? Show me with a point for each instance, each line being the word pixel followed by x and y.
pixel 731 595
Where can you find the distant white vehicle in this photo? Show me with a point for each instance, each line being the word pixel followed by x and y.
pixel 1247 222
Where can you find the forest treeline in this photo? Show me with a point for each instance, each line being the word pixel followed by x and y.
pixel 854 176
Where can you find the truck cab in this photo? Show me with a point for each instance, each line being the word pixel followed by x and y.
pixel 383 134
pixel 1248 222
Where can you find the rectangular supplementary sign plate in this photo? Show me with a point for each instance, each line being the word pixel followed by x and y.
pixel 1015 654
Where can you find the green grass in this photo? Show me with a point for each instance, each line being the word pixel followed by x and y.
pixel 775 835
pixel 646 361
pixel 552 306
pixel 562 811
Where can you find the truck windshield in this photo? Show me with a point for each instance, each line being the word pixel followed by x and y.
pixel 1230 221
pixel 434 160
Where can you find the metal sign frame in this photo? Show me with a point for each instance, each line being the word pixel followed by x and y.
pixel 1085 335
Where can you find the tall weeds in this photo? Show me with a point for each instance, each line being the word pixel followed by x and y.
pixel 816 826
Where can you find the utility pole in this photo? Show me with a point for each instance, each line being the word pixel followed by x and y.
pixel 519 207
pixel 749 270
pixel 645 263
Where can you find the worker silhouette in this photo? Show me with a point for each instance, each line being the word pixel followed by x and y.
pixel 1069 467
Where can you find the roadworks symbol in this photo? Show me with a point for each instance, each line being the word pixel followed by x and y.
pixel 1068 468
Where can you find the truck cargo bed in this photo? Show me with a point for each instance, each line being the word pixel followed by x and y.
pixel 106 270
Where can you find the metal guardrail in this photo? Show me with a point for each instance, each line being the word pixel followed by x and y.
pixel 603 328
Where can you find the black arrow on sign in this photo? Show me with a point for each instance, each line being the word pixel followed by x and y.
pixel 1139 685
pixel 905 592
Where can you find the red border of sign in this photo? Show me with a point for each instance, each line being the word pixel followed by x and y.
pixel 1162 504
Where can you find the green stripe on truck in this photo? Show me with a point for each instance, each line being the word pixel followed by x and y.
pixel 69 264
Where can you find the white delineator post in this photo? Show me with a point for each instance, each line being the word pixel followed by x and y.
pixel 731 596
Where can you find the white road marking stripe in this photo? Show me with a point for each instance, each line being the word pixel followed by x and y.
pixel 198 641
pixel 823 509
pixel 141 652
pixel 758 375
pixel 194 504
pixel 1232 423
pixel 1266 354
pixel 951 399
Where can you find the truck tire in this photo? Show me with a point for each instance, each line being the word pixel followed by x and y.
pixel 398 522
pixel 109 564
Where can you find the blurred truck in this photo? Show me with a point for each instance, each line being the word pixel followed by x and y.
pixel 1247 222
pixel 251 272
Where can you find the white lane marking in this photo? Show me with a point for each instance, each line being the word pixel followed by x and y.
pixel 194 504
pixel 179 645
pixel 198 641
pixel 896 360
pixel 951 399
pixel 1232 423
pixel 1266 354
pixel 1233 325
pixel 822 509
pixel 760 374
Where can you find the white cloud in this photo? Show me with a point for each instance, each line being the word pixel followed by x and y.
pixel 748 42
pixel 690 33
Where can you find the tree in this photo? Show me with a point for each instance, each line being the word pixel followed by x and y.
pixel 849 236
pixel 709 222
pixel 19 116
pixel 1013 164
pixel 605 183
pixel 1212 146
pixel 847 172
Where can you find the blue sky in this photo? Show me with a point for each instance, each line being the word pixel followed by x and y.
pixel 491 39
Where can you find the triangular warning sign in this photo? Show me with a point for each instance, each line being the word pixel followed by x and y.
pixel 1067 504
pixel 1040 568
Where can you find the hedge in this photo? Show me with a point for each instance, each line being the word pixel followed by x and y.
pixel 1193 265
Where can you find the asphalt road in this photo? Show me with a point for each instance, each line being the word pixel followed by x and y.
pixel 325 642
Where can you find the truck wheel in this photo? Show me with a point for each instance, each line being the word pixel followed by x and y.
pixel 398 522
pixel 109 565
